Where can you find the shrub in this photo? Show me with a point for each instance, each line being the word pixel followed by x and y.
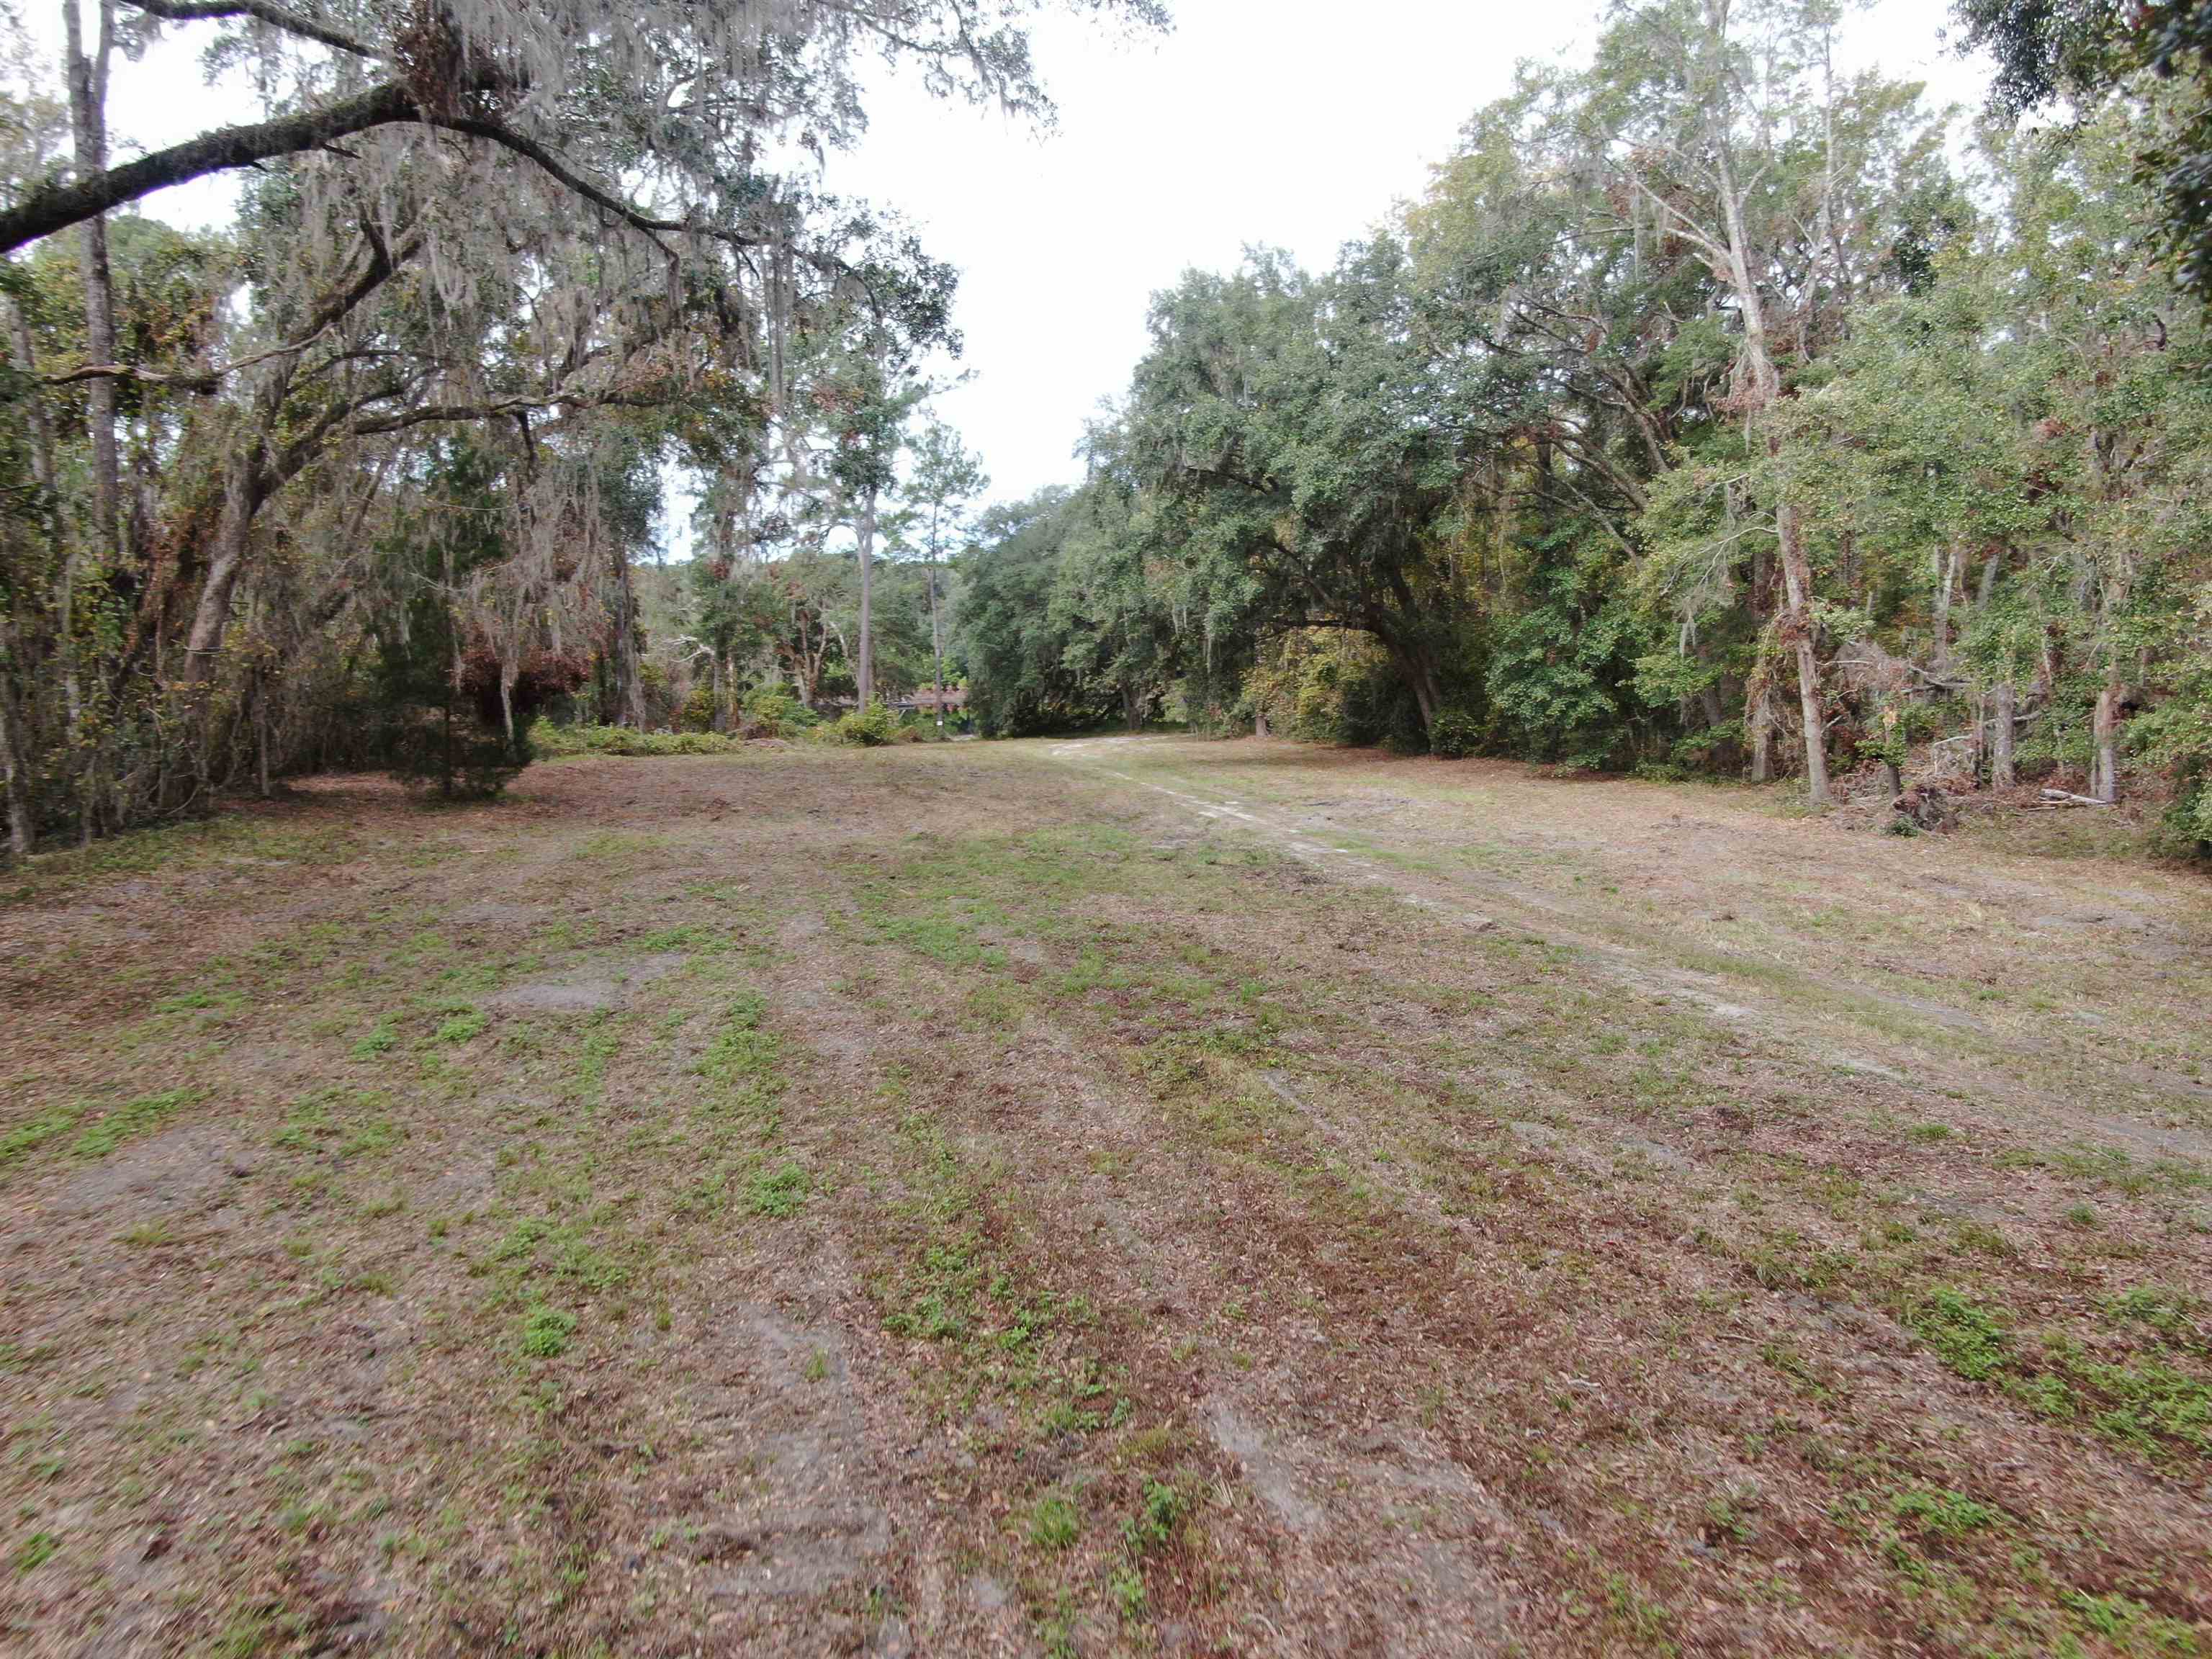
pixel 773 712
pixel 549 741
pixel 868 727
pixel 698 714
pixel 429 749
pixel 657 694
pixel 1454 734
pixel 541 676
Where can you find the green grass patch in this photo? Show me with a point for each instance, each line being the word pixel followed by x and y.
pixel 1965 1337
pixel 546 1332
pixel 20 1142
pixel 1054 1524
pixel 110 1129
pixel 780 1192
pixel 462 1026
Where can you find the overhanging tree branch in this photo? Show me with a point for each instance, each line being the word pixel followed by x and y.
pixel 277 17
pixel 57 207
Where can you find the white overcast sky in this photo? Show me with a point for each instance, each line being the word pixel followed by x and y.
pixel 1296 122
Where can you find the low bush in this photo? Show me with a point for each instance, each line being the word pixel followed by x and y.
pixel 868 727
pixel 453 755
pixel 773 712
pixel 1454 734
pixel 552 741
pixel 698 714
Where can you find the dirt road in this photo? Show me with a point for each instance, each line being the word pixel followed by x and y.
pixel 1125 1196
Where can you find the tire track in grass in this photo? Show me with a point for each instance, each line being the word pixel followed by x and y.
pixel 1197 1097
pixel 1730 990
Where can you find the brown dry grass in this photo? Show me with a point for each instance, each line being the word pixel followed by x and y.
pixel 1104 1197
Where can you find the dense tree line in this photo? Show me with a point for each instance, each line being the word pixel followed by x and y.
pixel 365 476
pixel 1706 413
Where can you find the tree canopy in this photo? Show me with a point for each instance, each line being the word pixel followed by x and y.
pixel 1711 411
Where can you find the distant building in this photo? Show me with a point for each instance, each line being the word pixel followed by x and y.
pixel 922 702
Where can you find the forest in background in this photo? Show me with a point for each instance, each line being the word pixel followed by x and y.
pixel 1714 412
pixel 370 477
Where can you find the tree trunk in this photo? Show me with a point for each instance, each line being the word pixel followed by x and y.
pixel 1417 668
pixel 1797 582
pixel 14 750
pixel 2002 772
pixel 937 643
pixel 1947 564
pixel 1765 385
pixel 244 490
pixel 254 475
pixel 632 690
pixel 1758 689
pixel 2105 770
pixel 14 778
pixel 88 88
pixel 721 709
pixel 867 539
pixel 34 404
pixel 1758 723
pixel 261 731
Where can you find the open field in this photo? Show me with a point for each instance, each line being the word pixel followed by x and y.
pixel 1124 1196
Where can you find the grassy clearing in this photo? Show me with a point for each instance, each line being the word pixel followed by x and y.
pixel 1076 1222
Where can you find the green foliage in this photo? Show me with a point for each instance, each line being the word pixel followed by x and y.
pixel 552 741
pixel 1515 454
pixel 773 712
pixel 2179 736
pixel 462 1026
pixel 1126 1587
pixel 1060 625
pixel 781 1192
pixel 1964 1336
pixel 433 678
pixel 133 1118
pixel 1153 1525
pixel 1562 670
pixel 869 727
pixel 546 1331
pixel 1053 1524
pixel 26 1138
pixel 2160 1307
pixel 1455 734
pixel 1328 685
pixel 2130 1626
pixel 35 1551
pixel 1940 1513
pixel 698 714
